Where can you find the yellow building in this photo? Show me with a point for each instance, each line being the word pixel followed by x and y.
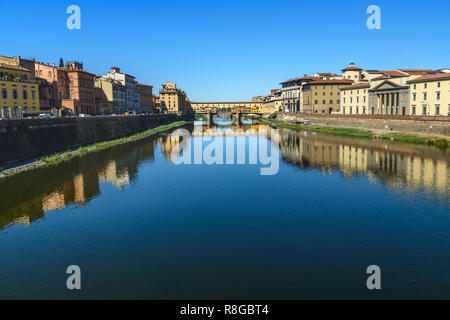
pixel 111 96
pixel 19 93
pixel 430 95
pixel 173 100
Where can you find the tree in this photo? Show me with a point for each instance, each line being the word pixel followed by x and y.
pixel 61 62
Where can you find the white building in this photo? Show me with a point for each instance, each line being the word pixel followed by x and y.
pixel 133 100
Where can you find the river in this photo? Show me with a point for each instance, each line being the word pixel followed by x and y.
pixel 159 219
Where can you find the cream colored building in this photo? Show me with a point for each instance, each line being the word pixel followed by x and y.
pixel 112 91
pixel 355 99
pixel 430 95
pixel 389 92
pixel 352 73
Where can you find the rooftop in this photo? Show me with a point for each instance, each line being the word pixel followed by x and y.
pixel 431 77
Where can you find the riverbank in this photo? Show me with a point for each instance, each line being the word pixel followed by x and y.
pixel 81 151
pixel 438 142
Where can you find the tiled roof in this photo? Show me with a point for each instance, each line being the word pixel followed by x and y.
pixel 417 72
pixel 10 66
pixel 321 81
pixel 431 77
pixel 356 86
pixel 302 78
pixel 352 69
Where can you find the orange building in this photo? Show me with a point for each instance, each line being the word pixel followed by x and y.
pixel 74 86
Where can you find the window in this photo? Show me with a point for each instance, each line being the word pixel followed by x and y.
pixel 439 85
pixel 414 97
pixel 424 96
pixel 4 94
pixel 425 85
pixel 413 110
pixel 15 95
pixel 25 94
pixel 364 110
pixel 415 86
pixel 331 101
pixel 438 107
pixel 438 95
pixel 351 110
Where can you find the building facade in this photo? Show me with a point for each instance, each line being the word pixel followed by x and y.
pixel 355 99
pixel 48 96
pixel 430 95
pixel 114 93
pixel 146 98
pixel 174 100
pixel 81 98
pixel 323 96
pixel 292 94
pixel 20 62
pixel 19 93
pixel 132 96
pixel 352 73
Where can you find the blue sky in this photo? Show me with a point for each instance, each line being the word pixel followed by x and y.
pixel 229 50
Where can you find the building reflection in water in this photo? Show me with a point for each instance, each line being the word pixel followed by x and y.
pixel 26 197
pixel 398 165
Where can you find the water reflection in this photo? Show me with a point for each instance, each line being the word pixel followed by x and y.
pixel 26 197
pixel 398 165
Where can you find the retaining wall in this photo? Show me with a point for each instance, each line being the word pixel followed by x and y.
pixel 22 140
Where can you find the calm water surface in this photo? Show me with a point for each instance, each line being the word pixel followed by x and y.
pixel 141 226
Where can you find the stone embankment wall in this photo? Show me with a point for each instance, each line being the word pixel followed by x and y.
pixel 439 126
pixel 22 140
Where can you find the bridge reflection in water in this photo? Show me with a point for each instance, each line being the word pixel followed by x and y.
pixel 27 196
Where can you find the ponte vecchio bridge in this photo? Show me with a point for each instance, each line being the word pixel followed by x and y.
pixel 209 109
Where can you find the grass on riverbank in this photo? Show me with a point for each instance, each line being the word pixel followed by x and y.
pixel 365 134
pixel 81 151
